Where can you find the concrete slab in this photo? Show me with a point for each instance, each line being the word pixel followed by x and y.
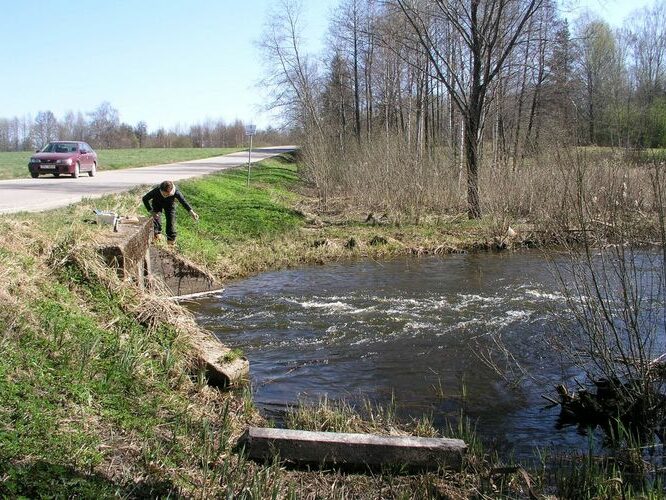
pixel 332 448
pixel 221 370
pixel 180 276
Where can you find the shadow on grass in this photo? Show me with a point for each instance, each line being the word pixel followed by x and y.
pixel 43 479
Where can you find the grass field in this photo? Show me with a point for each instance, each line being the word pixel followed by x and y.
pixel 14 165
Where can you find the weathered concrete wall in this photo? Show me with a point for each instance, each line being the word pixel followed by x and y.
pixel 131 253
pixel 180 276
pixel 127 250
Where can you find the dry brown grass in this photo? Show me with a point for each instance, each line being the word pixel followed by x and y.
pixel 386 177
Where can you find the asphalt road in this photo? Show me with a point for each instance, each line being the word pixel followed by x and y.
pixel 47 192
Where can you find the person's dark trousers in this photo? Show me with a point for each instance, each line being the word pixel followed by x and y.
pixel 170 224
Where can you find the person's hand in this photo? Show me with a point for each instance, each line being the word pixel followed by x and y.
pixel 155 215
pixel 194 215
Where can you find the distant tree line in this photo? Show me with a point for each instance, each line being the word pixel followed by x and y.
pixel 485 80
pixel 102 129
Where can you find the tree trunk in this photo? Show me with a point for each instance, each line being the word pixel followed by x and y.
pixel 473 118
pixel 472 143
pixel 357 97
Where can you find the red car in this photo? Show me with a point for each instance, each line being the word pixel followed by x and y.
pixel 64 157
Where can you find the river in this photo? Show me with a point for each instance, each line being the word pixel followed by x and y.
pixel 415 331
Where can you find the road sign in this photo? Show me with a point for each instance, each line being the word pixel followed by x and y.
pixel 250 131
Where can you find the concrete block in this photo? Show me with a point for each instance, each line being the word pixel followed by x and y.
pixel 180 276
pixel 332 448
pixel 127 250
pixel 220 370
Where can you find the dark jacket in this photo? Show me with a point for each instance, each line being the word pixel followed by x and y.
pixel 160 203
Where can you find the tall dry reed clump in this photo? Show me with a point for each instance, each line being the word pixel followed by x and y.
pixel 387 174
pixel 383 174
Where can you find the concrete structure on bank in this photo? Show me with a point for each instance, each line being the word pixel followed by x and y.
pixel 180 276
pixel 131 253
pixel 128 249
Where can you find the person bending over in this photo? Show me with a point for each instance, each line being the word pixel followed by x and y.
pixel 163 198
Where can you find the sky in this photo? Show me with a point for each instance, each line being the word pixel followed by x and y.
pixel 167 62
pixel 614 12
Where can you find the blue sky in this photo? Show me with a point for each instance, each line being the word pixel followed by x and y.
pixel 162 61
pixel 613 11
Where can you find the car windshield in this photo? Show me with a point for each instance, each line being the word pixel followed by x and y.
pixel 60 147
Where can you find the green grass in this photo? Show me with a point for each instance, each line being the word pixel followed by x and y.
pixel 14 165
pixel 233 214
pixel 69 384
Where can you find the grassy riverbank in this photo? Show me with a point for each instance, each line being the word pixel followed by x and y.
pixel 14 165
pixel 275 224
pixel 99 397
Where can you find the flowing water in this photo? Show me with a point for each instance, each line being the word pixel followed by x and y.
pixel 410 330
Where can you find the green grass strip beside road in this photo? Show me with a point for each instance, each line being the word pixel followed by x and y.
pixel 14 165
pixel 233 213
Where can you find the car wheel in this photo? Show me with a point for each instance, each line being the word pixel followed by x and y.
pixel 77 170
pixel 93 170
pixel 34 175
pixel 56 174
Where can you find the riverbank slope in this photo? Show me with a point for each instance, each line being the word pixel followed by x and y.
pixel 98 393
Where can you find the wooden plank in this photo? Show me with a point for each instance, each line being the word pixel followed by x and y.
pixel 352 449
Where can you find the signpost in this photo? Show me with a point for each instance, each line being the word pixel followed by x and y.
pixel 250 131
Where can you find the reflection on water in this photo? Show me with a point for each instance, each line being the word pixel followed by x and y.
pixel 409 329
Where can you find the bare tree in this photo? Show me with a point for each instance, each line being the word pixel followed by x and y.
pixel 73 126
pixel 347 33
pixel 648 43
pixel 337 100
pixel 141 131
pixel 292 76
pixel 489 32
pixel 103 125
pixel 597 57
pixel 45 128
